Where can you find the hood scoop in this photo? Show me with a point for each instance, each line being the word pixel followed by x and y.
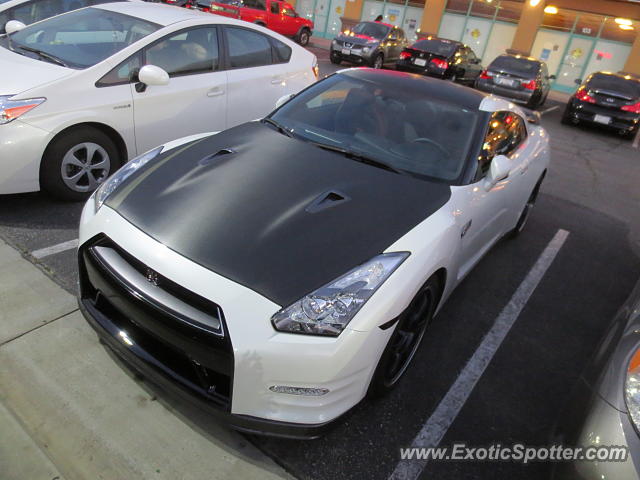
pixel 209 159
pixel 328 199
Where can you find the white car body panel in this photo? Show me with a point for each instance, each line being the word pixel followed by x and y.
pixel 73 98
pixel 265 357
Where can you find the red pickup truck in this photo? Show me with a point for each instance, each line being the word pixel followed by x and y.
pixel 277 15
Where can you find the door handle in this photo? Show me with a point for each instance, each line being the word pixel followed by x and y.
pixel 277 80
pixel 215 92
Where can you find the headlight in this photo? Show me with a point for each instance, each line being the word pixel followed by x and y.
pixel 334 42
pixel 121 175
pixel 632 389
pixel 328 310
pixel 12 109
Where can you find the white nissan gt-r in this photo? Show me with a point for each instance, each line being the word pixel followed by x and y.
pixel 83 92
pixel 279 271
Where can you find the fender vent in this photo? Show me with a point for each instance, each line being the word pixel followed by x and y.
pixel 327 200
pixel 209 159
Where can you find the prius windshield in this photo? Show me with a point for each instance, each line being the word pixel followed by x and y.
pixel 382 124
pixel 79 39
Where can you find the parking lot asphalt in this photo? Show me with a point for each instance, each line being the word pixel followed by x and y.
pixel 590 191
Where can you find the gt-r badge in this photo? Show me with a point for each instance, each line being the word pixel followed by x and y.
pixel 152 277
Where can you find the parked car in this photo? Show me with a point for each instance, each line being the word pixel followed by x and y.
pixel 369 43
pixel 276 15
pixel 442 58
pixel 610 100
pixel 31 11
pixel 521 79
pixel 605 404
pixel 279 308
pixel 83 92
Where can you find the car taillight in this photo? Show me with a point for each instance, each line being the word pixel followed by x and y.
pixel 485 75
pixel 530 85
pixel 440 63
pixel 404 55
pixel 315 68
pixel 582 95
pixel 634 108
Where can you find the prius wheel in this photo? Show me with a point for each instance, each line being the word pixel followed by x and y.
pixel 76 163
pixel 406 338
pixel 526 212
pixel 378 62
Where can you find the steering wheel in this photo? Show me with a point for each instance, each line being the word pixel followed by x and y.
pixel 432 143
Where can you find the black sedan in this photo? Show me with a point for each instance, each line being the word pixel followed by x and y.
pixel 368 43
pixel 520 79
pixel 442 58
pixel 611 100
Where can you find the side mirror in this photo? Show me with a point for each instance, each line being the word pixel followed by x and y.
pixel 284 99
pixel 500 169
pixel 476 61
pixel 13 26
pixel 149 76
pixel 578 81
pixel 552 77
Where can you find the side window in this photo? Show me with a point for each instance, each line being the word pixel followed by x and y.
pixel 247 48
pixel 283 52
pixel 187 52
pixel 289 12
pixel 124 73
pixel 275 8
pixel 257 4
pixel 505 133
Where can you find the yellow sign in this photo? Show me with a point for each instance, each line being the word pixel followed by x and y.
pixel 475 33
pixel 392 18
pixel 338 9
pixel 577 53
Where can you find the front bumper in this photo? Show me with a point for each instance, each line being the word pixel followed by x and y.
pixel 261 357
pixel 518 96
pixel 21 150
pixel 586 112
pixel 360 58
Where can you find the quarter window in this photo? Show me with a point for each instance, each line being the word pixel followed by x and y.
pixel 506 132
pixel 124 73
pixel 257 4
pixel 248 48
pixel 189 52
pixel 283 52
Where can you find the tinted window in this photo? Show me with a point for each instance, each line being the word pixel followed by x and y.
pixel 437 47
pixel 519 66
pixel 275 8
pixel 505 133
pixel 630 88
pixel 418 134
pixel 82 38
pixel 193 51
pixel 123 73
pixel 375 30
pixel 257 4
pixel 283 52
pixel 247 48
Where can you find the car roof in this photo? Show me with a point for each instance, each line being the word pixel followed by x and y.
pixel 160 13
pixel 519 57
pixel 448 92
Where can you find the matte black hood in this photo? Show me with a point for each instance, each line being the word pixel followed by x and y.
pixel 278 215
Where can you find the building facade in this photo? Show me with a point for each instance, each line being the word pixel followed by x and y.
pixel 574 37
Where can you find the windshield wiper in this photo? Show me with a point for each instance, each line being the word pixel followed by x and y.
pixel 280 128
pixel 45 55
pixel 359 157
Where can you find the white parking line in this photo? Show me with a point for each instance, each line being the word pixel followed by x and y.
pixel 52 250
pixel 550 109
pixel 446 412
pixel 636 141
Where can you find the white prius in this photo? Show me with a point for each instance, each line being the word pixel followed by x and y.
pixel 281 270
pixel 83 92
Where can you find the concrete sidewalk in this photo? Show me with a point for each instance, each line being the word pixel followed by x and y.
pixel 69 411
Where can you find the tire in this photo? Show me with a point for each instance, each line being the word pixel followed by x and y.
pixel 526 212
pixel 406 339
pixel 378 61
pixel 454 78
pixel 533 102
pixel 333 58
pixel 566 117
pixel 303 37
pixel 64 173
pixel 543 100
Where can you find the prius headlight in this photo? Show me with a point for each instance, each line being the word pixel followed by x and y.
pixel 113 182
pixel 12 109
pixel 632 389
pixel 329 309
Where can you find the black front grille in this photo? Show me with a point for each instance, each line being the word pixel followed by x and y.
pixel 197 355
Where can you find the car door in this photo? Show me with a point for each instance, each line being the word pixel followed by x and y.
pixel 256 74
pixel 394 45
pixel 473 66
pixel 485 213
pixel 194 101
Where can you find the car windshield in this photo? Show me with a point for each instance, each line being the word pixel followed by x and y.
pixel 629 88
pixel 369 29
pixel 401 130
pixel 81 38
pixel 518 66
pixel 437 47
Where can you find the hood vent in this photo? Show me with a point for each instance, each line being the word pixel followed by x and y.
pixel 328 199
pixel 209 159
